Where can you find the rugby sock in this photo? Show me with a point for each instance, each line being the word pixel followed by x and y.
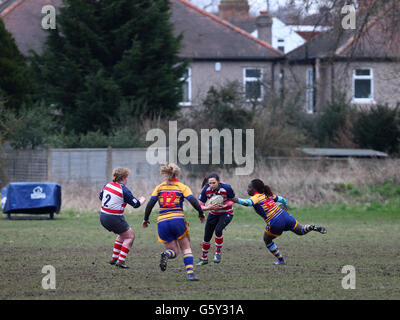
pixel 218 243
pixel 117 249
pixel 306 228
pixel 188 261
pixel 204 250
pixel 275 251
pixel 122 255
pixel 171 254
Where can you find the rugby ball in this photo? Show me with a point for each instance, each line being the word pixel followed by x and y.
pixel 217 199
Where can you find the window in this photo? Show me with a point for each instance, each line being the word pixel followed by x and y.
pixel 363 85
pixel 281 45
pixel 310 90
pixel 187 88
pixel 253 84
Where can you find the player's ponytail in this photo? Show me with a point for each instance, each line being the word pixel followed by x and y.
pixel 268 191
pixel 211 175
pixel 260 187
pixel 170 170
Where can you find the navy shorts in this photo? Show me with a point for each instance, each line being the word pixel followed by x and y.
pixel 172 229
pixel 282 222
pixel 114 223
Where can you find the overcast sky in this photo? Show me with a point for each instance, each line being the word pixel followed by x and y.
pixel 255 5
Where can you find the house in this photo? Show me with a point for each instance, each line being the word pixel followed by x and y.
pixel 284 36
pixel 221 52
pixel 218 51
pixel 362 64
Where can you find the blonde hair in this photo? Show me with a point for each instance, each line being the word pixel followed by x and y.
pixel 120 174
pixel 170 170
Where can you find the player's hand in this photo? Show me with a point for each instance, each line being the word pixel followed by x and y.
pixel 213 207
pixel 145 223
pixel 202 218
pixel 142 200
pixel 221 206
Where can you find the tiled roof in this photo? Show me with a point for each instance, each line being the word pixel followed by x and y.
pixel 378 38
pixel 23 19
pixel 205 35
pixel 208 36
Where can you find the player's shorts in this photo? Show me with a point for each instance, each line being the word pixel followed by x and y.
pixel 173 229
pixel 282 222
pixel 114 223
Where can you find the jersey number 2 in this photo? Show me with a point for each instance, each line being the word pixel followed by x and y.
pixel 108 198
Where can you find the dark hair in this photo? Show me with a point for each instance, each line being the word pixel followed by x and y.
pixel 211 175
pixel 260 187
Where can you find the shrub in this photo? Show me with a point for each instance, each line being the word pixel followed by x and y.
pixel 378 128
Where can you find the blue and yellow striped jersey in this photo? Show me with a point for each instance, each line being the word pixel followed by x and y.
pixel 170 196
pixel 265 206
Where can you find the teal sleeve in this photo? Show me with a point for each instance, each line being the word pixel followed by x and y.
pixel 245 202
pixel 281 200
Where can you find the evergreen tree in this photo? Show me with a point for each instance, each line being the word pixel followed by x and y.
pixel 106 53
pixel 15 87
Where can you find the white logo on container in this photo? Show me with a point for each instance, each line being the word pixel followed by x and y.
pixel 37 193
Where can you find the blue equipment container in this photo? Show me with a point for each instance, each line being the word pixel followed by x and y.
pixel 31 197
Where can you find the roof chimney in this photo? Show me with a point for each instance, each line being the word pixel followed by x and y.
pixel 264 26
pixel 229 9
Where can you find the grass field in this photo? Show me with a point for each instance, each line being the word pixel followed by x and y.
pixel 366 236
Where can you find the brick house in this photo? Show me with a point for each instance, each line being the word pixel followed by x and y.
pixel 363 64
pixel 218 51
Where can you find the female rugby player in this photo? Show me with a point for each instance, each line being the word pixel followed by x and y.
pixel 173 230
pixel 114 198
pixel 278 220
pixel 219 217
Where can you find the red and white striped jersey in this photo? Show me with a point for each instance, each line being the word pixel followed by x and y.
pixel 113 199
pixel 225 190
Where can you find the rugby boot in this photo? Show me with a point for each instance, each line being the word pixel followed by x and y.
pixel 319 229
pixel 163 261
pixel 121 265
pixel 202 262
pixel 217 258
pixel 192 277
pixel 280 262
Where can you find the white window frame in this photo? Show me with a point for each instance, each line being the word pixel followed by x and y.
pixel 357 77
pixel 253 79
pixel 188 80
pixel 310 91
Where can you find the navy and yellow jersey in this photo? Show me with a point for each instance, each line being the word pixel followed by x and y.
pixel 170 196
pixel 265 206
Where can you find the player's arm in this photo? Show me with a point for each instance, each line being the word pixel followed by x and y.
pixel 230 195
pixel 203 200
pixel 101 193
pixel 280 199
pixel 150 205
pixel 243 202
pixel 196 205
pixel 130 199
